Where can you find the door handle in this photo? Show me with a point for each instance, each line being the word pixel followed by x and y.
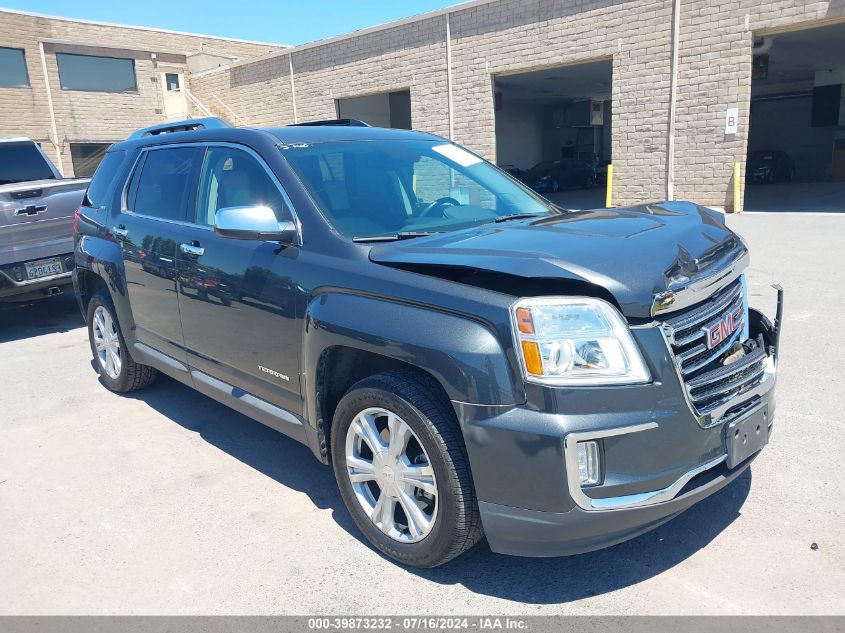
pixel 194 249
pixel 120 232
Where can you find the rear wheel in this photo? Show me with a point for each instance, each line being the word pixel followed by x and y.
pixel 402 469
pixel 118 371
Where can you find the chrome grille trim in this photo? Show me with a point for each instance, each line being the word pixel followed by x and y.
pixel 713 390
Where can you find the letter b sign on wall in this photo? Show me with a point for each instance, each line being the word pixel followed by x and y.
pixel 732 121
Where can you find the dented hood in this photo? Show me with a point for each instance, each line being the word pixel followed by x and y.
pixel 636 253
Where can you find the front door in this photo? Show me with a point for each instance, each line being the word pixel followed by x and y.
pixel 237 297
pixel 161 191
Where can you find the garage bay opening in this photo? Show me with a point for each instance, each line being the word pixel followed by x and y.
pixel 796 144
pixel 386 109
pixel 553 130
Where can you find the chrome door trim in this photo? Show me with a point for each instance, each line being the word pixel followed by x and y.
pixel 205 145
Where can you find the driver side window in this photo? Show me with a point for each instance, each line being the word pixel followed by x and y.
pixel 433 180
pixel 232 177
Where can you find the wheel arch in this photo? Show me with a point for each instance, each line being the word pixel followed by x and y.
pixel 349 337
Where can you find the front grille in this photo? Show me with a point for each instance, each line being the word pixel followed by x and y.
pixel 708 382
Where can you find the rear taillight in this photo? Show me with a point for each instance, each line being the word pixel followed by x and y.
pixel 76 222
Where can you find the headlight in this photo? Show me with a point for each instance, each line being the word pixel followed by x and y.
pixel 575 341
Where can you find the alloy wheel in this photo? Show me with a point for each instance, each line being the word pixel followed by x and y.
pixel 391 475
pixel 107 342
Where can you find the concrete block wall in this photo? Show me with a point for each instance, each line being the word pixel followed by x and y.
pixel 714 73
pixel 406 57
pixel 506 36
pixel 94 116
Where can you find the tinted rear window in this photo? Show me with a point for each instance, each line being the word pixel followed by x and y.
pixel 167 183
pixel 100 186
pixel 20 162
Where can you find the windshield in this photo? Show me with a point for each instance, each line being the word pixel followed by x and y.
pixel 381 188
pixel 21 162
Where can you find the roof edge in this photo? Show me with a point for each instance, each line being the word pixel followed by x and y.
pixel 139 28
pixel 296 48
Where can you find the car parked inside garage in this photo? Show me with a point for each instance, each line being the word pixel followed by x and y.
pixel 550 176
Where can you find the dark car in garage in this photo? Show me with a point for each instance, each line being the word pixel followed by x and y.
pixel 552 176
pixel 769 167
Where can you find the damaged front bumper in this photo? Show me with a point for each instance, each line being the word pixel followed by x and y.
pixel 659 455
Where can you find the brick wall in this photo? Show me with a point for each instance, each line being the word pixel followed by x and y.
pixel 714 73
pixel 504 36
pixel 94 116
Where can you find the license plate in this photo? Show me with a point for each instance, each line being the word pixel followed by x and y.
pixel 746 436
pixel 44 268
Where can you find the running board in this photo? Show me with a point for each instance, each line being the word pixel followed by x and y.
pixel 233 397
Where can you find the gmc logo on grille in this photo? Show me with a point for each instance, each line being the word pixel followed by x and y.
pixel 723 328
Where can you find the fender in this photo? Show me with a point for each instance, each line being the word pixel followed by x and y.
pixel 463 354
pixel 105 259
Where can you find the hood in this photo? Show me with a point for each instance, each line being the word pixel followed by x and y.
pixel 636 253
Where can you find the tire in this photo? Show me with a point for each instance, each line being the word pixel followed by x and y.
pixel 555 186
pixel 131 375
pixel 417 400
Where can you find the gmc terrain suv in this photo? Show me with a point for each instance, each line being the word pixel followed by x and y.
pixel 470 359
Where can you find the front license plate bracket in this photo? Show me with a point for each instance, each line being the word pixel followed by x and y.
pixel 746 436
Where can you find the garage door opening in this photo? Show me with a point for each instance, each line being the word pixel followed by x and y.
pixel 386 109
pixel 796 142
pixel 553 130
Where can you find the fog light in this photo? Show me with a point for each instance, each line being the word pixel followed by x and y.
pixel 589 469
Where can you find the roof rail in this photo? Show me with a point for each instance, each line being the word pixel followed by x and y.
pixel 208 123
pixel 346 122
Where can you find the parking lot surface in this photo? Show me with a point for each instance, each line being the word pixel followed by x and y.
pixel 165 502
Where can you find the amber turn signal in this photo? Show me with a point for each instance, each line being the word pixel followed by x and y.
pixel 524 321
pixel 533 361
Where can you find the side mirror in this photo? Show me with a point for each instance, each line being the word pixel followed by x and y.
pixel 253 223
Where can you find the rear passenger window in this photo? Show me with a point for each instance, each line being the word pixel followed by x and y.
pixel 233 178
pixel 166 184
pixel 100 185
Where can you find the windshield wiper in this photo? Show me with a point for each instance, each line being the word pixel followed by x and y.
pixel 392 237
pixel 518 216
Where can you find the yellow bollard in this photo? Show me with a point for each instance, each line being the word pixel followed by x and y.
pixel 737 202
pixel 608 201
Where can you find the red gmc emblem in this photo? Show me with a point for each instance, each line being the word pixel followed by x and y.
pixel 723 328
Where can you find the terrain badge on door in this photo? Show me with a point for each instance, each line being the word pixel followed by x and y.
pixel 273 372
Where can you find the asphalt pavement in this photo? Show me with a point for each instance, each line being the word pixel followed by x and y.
pixel 165 502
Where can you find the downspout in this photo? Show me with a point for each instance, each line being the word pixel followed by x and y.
pixel 292 88
pixel 449 77
pixel 673 94
pixel 53 127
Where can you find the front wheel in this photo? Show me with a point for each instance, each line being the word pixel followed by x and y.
pixel 402 469
pixel 118 371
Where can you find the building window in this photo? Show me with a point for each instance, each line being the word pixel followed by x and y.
pixel 86 157
pixel 171 81
pixel 96 74
pixel 13 72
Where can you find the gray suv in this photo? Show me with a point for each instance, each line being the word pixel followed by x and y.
pixel 469 358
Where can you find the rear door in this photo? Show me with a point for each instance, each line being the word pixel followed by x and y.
pixel 150 225
pixel 237 297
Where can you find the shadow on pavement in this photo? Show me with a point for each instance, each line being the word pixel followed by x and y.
pixel 528 580
pixel 20 321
